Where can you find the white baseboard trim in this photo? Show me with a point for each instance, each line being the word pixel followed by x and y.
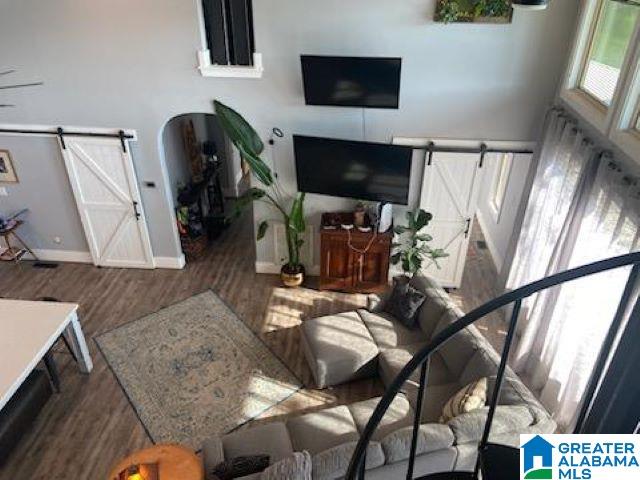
pixel 497 258
pixel 174 263
pixel 62 256
pixel 274 269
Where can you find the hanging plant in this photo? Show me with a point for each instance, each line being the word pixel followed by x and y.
pixel 479 11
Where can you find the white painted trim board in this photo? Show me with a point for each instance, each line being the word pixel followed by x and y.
pixel 70 256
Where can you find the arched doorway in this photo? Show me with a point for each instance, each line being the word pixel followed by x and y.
pixel 205 176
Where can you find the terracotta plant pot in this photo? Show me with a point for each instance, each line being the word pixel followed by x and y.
pixel 292 277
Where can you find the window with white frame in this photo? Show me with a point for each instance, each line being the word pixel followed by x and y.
pixel 228 45
pixel 229 27
pixel 500 182
pixel 602 84
pixel 612 34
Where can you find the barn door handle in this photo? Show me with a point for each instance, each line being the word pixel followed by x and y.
pixel 135 210
pixel 467 228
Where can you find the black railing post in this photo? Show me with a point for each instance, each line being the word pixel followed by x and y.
pixel 499 377
pixel 603 355
pixel 417 419
pixel 363 466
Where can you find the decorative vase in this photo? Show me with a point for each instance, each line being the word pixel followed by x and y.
pixel 292 276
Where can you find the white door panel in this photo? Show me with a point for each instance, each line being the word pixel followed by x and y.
pixel 106 191
pixel 451 237
pixel 450 192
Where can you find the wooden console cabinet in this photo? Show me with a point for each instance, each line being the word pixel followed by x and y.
pixel 354 261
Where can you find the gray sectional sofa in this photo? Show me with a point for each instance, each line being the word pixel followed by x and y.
pixel 366 343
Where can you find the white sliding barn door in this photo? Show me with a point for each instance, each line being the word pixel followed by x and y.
pixel 450 192
pixel 106 191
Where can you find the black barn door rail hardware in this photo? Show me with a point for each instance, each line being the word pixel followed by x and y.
pixel 60 133
pixel 431 148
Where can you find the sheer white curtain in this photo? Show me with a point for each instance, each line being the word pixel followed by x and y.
pixel 583 208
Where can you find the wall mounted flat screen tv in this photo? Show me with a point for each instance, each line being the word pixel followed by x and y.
pixel 362 170
pixel 351 81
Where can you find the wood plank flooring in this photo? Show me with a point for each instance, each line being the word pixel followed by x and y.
pixel 90 425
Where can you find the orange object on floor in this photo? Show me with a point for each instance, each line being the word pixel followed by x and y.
pixel 174 463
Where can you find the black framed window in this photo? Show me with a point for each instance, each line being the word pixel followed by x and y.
pixel 229 29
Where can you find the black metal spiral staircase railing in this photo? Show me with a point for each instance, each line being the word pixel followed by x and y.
pixel 496 462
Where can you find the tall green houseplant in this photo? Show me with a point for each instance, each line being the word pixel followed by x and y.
pixel 250 146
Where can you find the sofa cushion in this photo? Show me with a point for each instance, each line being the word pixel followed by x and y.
pixel 459 349
pixel 435 396
pixel 296 467
pixel 391 361
pixel 404 302
pixel 269 439
pixel 436 303
pixel 467 457
pixel 425 464
pixel 339 348
pixel 333 463
pixel 399 415
pixel 431 437
pixel 483 363
pixel 319 431
pixel 514 392
pixel 542 421
pixel 469 427
pixel 467 399
pixel 388 332
pixel 330 436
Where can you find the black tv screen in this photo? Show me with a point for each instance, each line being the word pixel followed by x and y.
pixel 351 81
pixel 361 170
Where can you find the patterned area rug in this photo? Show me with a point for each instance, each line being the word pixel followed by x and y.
pixel 194 370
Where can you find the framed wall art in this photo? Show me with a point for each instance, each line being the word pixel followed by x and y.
pixel 7 171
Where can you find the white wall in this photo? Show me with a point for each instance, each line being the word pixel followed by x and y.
pixel 498 226
pixel 123 64
pixel 45 190
pixel 175 156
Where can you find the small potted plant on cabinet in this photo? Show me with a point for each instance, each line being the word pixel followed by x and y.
pixel 250 146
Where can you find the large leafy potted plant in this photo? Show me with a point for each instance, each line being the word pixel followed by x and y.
pixel 412 252
pixel 250 146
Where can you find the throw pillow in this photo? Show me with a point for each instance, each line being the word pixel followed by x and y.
pixel 469 398
pixel 240 467
pixel 404 302
pixel 295 467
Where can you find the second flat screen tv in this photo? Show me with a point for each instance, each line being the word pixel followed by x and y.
pixel 361 170
pixel 370 82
